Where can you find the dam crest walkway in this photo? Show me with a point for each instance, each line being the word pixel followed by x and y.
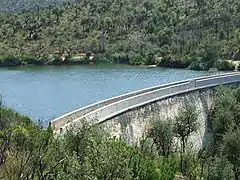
pixel 104 110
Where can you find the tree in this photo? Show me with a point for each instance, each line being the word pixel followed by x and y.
pixel 225 114
pixel 217 168
pixel 185 124
pixel 231 149
pixel 162 134
pixel 101 157
pixel 198 29
pixel 225 130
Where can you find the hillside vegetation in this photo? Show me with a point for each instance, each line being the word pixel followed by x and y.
pixel 28 5
pixel 27 151
pixel 170 33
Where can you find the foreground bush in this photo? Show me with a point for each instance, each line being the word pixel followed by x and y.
pixel 27 151
pixel 30 152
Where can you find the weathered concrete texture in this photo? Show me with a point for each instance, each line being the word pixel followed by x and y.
pixel 133 124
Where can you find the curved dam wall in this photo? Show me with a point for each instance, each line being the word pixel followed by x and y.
pixel 129 115
pixel 133 124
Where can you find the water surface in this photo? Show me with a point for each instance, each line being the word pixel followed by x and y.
pixel 48 92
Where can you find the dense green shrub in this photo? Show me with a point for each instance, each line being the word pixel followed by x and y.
pixel 136 60
pixel 201 64
pixel 224 65
pixel 27 60
pixel 10 61
pixel 77 60
pixel 122 58
pixel 104 59
pixel 174 63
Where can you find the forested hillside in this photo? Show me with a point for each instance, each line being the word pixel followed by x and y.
pixel 26 5
pixel 181 32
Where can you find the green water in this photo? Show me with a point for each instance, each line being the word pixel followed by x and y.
pixel 48 92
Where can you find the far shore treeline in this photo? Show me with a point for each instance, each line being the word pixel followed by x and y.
pixel 195 34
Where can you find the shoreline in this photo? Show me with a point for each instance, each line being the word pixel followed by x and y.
pixel 219 65
pixel 96 64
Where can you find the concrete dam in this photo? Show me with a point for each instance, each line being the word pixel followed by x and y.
pixel 129 116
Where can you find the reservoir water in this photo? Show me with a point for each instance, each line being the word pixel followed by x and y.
pixel 48 92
